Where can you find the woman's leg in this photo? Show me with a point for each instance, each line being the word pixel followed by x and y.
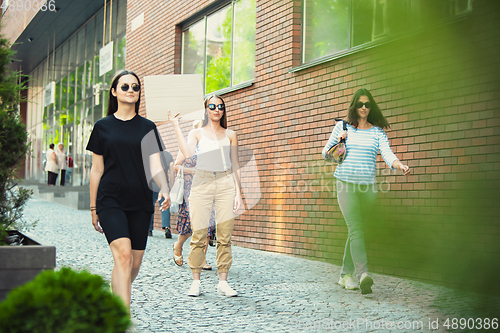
pixel 178 248
pixel 121 276
pixel 351 202
pixel 182 239
pixel 137 256
pixel 224 218
pixel 200 205
pixel 52 178
pixel 127 234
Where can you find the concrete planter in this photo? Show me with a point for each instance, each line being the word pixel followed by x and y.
pixel 20 264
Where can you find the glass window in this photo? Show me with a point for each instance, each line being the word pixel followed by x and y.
pixel 45 74
pixel 121 21
pixel 64 93
pixel 50 71
pixel 58 65
pixel 336 26
pixel 194 49
pixel 71 116
pixel 72 52
pixel 98 112
pixel 244 42
pixel 98 30
pixel 326 28
pixel 89 74
pixel 218 51
pixel 97 78
pixel 90 38
pixel 71 88
pixel 120 53
pixel 80 52
pixel 78 114
pixel 57 96
pixel 80 83
pixel 65 59
pixel 221 49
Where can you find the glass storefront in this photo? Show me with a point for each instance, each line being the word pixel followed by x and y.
pixel 72 71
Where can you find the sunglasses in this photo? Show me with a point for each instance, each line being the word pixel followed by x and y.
pixel 135 87
pixel 359 105
pixel 221 107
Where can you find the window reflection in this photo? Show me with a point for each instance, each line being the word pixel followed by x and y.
pixel 335 26
pixel 74 69
pixel 221 49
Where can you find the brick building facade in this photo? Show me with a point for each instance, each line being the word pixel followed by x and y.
pixel 436 87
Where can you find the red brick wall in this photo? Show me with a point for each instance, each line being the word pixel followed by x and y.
pixel 438 90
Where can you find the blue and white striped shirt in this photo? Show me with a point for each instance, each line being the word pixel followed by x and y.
pixel 360 164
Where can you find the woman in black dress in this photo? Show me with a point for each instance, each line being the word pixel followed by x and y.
pixel 120 193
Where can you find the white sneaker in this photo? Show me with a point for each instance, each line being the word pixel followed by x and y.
pixel 224 289
pixel 195 289
pixel 366 283
pixel 348 283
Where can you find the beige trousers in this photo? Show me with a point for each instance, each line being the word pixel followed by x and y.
pixel 207 188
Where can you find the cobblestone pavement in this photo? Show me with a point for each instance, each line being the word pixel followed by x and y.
pixel 277 293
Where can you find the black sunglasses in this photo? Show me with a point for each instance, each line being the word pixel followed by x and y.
pixel 221 107
pixel 135 87
pixel 359 105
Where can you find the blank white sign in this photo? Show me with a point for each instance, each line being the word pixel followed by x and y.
pixel 181 94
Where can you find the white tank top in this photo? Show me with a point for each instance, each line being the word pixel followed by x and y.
pixel 213 155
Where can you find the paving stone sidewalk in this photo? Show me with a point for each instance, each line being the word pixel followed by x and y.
pixel 277 293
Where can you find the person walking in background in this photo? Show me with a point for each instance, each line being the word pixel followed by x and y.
pixel 62 163
pixel 356 183
pixel 51 165
pixel 183 219
pixel 120 196
pixel 167 163
pixel 216 182
pixel 69 173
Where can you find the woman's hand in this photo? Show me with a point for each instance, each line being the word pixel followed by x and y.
pixel 166 203
pixel 342 136
pixel 238 204
pixel 95 221
pixel 405 169
pixel 173 120
pixel 398 165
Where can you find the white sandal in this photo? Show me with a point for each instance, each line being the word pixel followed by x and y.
pixel 178 258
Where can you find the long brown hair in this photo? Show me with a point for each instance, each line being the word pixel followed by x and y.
pixel 375 117
pixel 223 119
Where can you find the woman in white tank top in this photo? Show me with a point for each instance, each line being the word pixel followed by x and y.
pixel 217 181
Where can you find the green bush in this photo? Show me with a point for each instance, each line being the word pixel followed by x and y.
pixel 13 143
pixel 63 301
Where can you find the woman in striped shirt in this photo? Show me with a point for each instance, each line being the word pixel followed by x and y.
pixel 356 183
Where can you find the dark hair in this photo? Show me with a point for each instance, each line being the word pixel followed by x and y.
pixel 51 146
pixel 113 102
pixel 375 116
pixel 223 119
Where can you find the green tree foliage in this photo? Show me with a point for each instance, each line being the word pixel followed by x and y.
pixel 219 64
pixel 244 41
pixel 13 143
pixel 243 67
pixel 63 301
pixel 326 27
